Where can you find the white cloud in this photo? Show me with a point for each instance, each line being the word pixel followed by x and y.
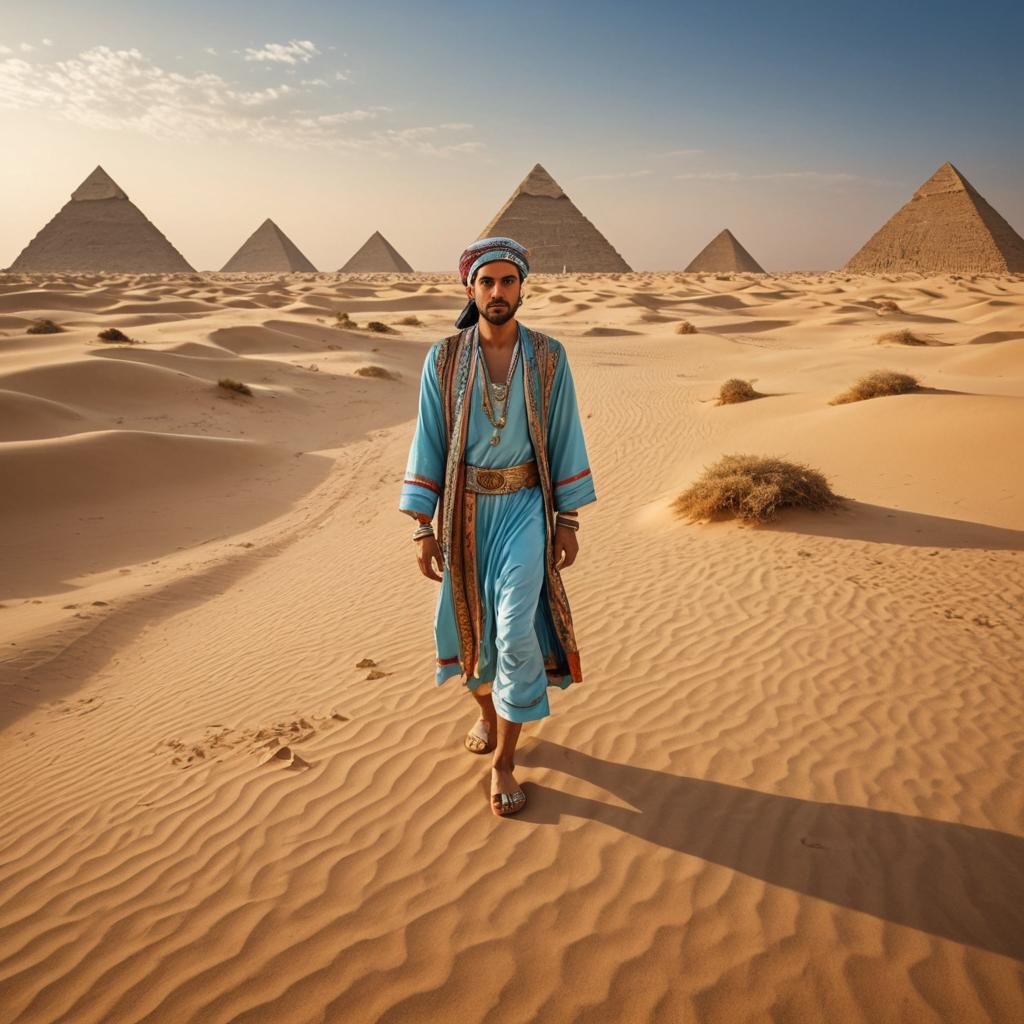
pixel 47 42
pixel 210 50
pixel 613 176
pixel 343 76
pixel 121 90
pixel 26 47
pixel 297 51
pixel 313 81
pixel 5 49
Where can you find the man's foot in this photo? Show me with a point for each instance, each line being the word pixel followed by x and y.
pixel 481 738
pixel 506 795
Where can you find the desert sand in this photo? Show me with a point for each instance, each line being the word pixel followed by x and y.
pixel 789 789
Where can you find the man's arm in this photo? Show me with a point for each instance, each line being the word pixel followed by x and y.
pixel 571 479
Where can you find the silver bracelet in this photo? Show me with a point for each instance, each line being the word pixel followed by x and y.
pixel 424 530
pixel 569 524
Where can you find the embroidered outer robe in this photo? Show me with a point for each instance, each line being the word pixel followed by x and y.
pixel 502 613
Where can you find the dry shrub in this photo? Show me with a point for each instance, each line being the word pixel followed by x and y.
pixel 410 321
pixel 753 488
pixel 686 328
pixel 375 371
pixel 230 384
pixel 44 327
pixel 901 337
pixel 113 334
pixel 877 385
pixel 735 390
pixel 342 319
pixel 888 306
pixel 378 328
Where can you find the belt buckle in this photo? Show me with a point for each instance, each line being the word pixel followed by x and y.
pixel 490 480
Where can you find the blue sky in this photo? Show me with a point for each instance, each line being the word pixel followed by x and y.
pixel 801 126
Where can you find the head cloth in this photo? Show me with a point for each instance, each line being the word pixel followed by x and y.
pixel 488 250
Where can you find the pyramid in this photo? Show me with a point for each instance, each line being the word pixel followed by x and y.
pixel 724 254
pixel 100 230
pixel 376 256
pixel 946 228
pixel 542 217
pixel 268 248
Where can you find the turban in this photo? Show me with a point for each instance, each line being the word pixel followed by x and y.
pixel 488 250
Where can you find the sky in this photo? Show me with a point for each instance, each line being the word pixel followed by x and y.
pixel 801 126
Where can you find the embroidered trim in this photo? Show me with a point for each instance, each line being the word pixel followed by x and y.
pixel 422 481
pixel 513 704
pixel 446 661
pixel 569 479
pixel 543 362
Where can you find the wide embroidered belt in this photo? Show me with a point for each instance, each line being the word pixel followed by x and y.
pixel 501 481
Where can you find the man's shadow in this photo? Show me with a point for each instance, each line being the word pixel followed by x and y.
pixel 957 882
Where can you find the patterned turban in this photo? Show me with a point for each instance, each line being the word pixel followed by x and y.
pixel 488 250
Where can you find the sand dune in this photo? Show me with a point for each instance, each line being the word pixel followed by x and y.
pixel 790 788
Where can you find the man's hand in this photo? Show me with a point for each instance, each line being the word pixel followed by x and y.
pixel 567 547
pixel 428 551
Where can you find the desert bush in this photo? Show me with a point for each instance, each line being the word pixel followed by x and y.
pixel 44 327
pixel 877 385
pixel 230 384
pixel 342 319
pixel 901 337
pixel 753 488
pixel 735 390
pixel 375 371
pixel 378 328
pixel 113 334
pixel 410 321
pixel 888 306
pixel 686 328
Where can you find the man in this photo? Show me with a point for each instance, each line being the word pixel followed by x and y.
pixel 499 453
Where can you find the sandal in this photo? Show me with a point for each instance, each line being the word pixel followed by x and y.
pixel 504 804
pixel 477 744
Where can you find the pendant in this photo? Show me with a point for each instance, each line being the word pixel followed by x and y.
pixel 499 392
pixel 501 422
pixel 495 438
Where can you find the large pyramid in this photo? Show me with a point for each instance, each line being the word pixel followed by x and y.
pixel 376 256
pixel 946 228
pixel 99 230
pixel 268 248
pixel 543 218
pixel 724 254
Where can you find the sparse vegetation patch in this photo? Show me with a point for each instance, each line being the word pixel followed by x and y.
pixel 753 488
pixel 878 385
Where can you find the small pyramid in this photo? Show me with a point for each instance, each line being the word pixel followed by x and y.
pixel 100 230
pixel 542 217
pixel 724 254
pixel 376 256
pixel 268 248
pixel 946 228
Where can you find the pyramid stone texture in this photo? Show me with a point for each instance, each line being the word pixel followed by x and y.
pixel 724 254
pixel 100 230
pixel 376 256
pixel 268 248
pixel 947 227
pixel 542 217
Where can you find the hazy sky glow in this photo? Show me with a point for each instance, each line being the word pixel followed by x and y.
pixel 801 126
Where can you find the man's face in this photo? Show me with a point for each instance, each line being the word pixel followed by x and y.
pixel 496 291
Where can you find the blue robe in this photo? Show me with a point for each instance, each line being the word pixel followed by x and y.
pixel 502 614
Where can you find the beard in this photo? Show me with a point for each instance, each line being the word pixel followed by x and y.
pixel 500 314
